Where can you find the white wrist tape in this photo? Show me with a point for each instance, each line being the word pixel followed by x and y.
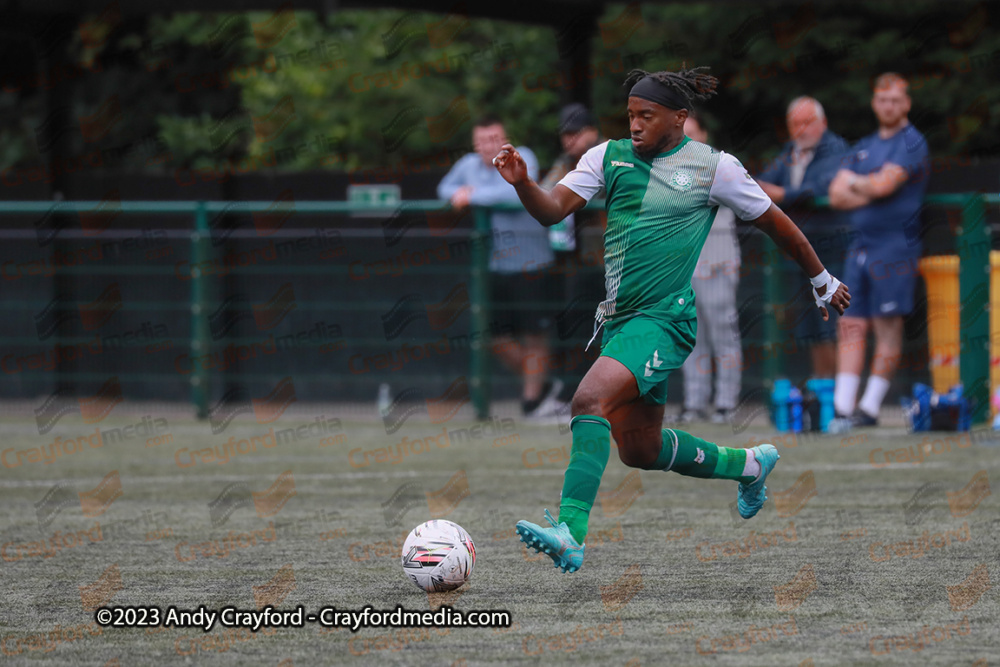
pixel 832 284
pixel 821 279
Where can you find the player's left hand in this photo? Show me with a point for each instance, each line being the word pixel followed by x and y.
pixel 840 300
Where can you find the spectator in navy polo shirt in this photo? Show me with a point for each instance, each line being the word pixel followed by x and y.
pixel 882 185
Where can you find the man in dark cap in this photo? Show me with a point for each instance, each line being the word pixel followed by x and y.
pixel 578 134
pixel 577 239
pixel 663 192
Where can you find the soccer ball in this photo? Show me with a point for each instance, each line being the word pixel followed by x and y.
pixel 438 556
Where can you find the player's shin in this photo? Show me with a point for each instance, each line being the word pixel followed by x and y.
pixel 690 455
pixel 591 449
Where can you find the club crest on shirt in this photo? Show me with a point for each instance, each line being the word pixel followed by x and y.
pixel 681 180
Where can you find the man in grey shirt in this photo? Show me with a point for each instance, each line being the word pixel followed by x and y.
pixel 715 280
pixel 521 263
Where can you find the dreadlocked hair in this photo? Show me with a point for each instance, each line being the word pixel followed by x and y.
pixel 692 83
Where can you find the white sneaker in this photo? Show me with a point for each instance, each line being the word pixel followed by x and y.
pixel 722 416
pixel 551 406
pixel 839 425
pixel 689 416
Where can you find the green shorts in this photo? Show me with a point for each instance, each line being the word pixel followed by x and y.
pixel 650 348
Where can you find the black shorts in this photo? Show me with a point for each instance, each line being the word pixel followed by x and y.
pixel 523 303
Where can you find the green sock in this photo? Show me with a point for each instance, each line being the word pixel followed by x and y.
pixel 591 449
pixel 690 455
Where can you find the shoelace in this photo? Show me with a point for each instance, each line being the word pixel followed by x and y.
pixel 552 521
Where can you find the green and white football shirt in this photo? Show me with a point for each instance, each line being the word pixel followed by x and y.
pixel 659 215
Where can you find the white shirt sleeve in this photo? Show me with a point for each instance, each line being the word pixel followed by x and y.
pixel 733 187
pixel 588 177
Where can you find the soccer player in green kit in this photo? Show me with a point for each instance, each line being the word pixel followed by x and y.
pixel 663 191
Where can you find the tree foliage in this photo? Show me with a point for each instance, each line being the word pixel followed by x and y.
pixel 374 90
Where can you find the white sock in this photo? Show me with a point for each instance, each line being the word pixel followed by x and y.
pixel 751 468
pixel 845 392
pixel 875 391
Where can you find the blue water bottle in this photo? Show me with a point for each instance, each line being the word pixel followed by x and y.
pixel 779 403
pixel 823 388
pixel 795 409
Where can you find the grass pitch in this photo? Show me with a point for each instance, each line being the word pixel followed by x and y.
pixel 861 556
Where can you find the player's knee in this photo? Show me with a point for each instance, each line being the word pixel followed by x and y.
pixel 635 457
pixel 586 403
pixel 637 448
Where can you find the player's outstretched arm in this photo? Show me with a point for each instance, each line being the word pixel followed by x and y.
pixel 790 238
pixel 547 208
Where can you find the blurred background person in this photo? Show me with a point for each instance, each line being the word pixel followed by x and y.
pixel 883 188
pixel 802 171
pixel 520 266
pixel 717 345
pixel 577 134
pixel 578 243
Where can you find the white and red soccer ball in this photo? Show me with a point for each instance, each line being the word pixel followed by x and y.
pixel 438 556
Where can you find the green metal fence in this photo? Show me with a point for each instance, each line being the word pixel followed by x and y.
pixel 972 242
